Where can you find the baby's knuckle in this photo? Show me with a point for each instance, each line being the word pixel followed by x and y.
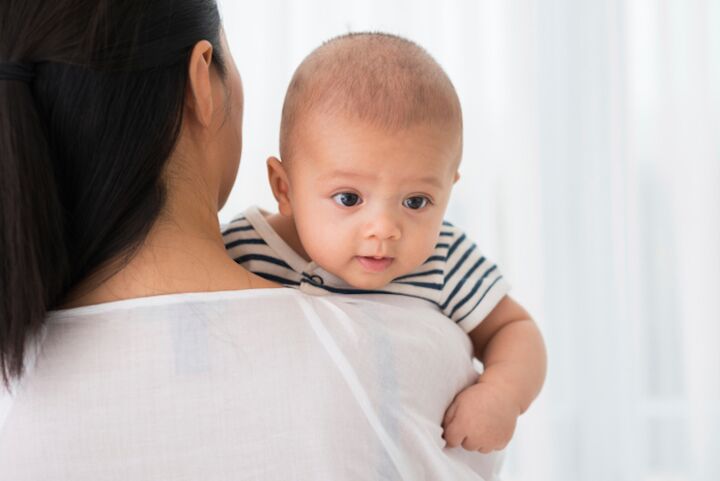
pixel 469 444
pixel 451 436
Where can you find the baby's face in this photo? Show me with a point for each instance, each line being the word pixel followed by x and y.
pixel 368 204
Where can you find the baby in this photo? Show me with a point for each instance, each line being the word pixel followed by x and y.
pixel 370 145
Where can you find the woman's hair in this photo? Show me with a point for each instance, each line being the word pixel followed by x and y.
pixel 84 139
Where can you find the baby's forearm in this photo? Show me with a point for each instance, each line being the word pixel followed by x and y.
pixel 515 361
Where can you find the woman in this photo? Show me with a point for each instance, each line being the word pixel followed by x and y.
pixel 135 348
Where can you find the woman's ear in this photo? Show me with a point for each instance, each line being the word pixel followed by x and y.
pixel 200 99
pixel 280 185
pixel 457 176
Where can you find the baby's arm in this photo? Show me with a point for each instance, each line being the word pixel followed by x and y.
pixel 483 416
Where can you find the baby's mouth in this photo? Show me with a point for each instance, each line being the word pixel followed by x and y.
pixel 374 263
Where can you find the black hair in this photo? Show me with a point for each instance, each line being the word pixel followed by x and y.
pixel 83 146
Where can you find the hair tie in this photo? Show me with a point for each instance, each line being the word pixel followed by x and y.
pixel 21 72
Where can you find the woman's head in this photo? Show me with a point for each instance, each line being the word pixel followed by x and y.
pixel 86 135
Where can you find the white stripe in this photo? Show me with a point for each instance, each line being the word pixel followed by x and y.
pixel 470 303
pixel 492 299
pixel 403 465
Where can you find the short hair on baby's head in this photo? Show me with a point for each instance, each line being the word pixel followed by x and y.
pixel 377 78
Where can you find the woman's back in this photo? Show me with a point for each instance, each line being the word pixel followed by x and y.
pixel 241 385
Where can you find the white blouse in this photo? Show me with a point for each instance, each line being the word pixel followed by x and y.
pixel 268 384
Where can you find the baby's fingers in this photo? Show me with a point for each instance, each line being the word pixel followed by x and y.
pixel 449 414
pixel 454 434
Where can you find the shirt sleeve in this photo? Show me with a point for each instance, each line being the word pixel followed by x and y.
pixel 472 284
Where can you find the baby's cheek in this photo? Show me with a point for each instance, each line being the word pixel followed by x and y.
pixel 325 247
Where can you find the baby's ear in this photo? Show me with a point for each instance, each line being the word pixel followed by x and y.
pixel 457 176
pixel 279 184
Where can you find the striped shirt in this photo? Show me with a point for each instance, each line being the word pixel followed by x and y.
pixel 456 279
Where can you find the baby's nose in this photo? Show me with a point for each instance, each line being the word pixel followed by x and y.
pixel 383 225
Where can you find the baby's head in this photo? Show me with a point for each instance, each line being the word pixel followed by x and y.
pixel 370 143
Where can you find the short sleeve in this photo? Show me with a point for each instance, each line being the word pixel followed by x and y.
pixel 472 284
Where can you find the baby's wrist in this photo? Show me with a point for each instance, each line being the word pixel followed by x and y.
pixel 503 390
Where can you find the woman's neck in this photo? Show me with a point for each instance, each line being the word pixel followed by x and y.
pixel 183 252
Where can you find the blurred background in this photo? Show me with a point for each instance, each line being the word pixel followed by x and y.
pixel 591 174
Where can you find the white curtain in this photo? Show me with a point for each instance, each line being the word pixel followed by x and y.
pixel 591 174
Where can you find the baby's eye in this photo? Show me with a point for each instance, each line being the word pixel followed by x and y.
pixel 346 199
pixel 416 202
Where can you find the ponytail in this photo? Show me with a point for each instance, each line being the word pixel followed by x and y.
pixel 87 124
pixel 34 265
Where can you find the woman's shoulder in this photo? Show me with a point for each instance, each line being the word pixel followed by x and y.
pixel 189 302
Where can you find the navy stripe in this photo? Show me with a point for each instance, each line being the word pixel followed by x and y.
pixel 480 300
pixel 455 245
pixel 238 219
pixel 473 291
pixel 459 263
pixel 418 274
pixel 435 258
pixel 427 285
pixel 238 229
pixel 238 242
pixel 446 234
pixel 260 257
pixel 461 283
pixel 446 223
pixel 278 279
pixel 441 246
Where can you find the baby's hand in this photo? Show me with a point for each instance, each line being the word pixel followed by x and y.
pixel 481 418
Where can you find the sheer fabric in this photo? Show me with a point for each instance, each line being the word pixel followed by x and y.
pixel 267 384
